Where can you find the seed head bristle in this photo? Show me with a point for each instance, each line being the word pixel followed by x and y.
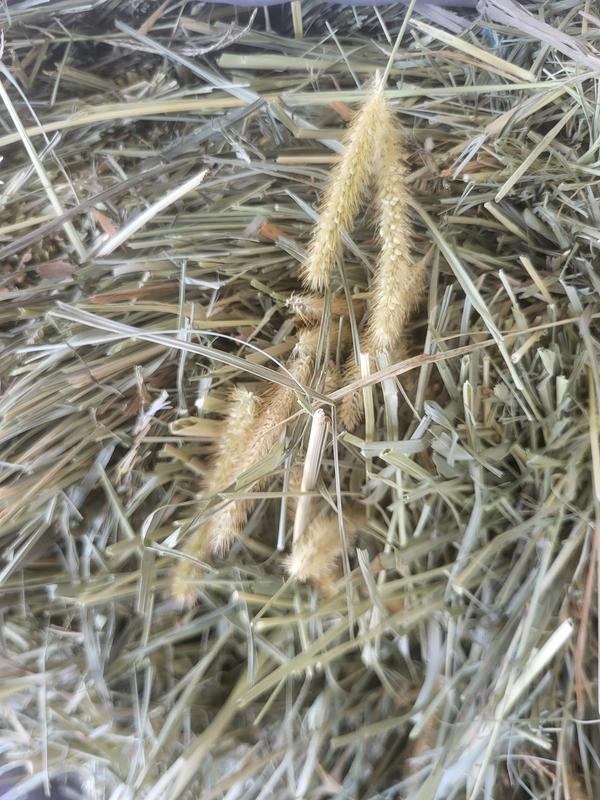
pixel 273 410
pixel 344 194
pixel 310 307
pixel 351 407
pixel 315 556
pixel 240 421
pixel 576 784
pixel 238 426
pixel 397 285
pixel 333 378
pixel 421 748
pixel 187 573
pixel 227 524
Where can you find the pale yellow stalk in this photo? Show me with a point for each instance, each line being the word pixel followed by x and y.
pixel 344 194
pixel 317 440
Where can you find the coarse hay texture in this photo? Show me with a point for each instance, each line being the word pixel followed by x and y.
pixel 170 176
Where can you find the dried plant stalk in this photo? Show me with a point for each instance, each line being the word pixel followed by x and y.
pixel 344 194
pixel 295 482
pixel 316 554
pixel 312 463
pixel 397 285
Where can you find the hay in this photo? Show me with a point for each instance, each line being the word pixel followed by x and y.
pixel 162 167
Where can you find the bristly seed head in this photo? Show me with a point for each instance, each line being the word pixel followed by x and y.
pixel 238 426
pixel 397 284
pixel 315 556
pixel 344 194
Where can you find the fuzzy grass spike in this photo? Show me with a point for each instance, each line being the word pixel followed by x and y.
pixel 273 411
pixel 344 194
pixel 311 307
pixel 397 284
pixel 241 419
pixel 316 554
